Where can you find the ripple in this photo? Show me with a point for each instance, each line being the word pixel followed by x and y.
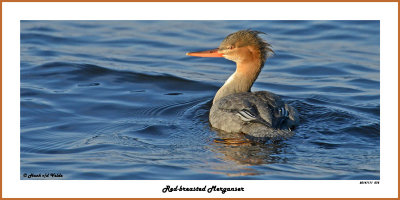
pixel 40 38
pixel 372 130
pixel 364 83
pixel 304 70
pixel 173 93
pixel 333 89
pixel 170 109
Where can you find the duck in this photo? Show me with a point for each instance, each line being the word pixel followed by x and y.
pixel 259 115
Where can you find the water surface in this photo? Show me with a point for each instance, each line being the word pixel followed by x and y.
pixel 120 100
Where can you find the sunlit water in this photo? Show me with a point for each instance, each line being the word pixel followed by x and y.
pixel 120 100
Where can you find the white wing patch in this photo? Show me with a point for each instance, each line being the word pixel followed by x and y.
pixel 246 115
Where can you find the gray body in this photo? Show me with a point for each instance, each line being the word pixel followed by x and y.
pixel 266 115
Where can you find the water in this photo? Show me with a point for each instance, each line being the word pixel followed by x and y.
pixel 120 100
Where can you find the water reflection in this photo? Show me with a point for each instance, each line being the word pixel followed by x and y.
pixel 240 153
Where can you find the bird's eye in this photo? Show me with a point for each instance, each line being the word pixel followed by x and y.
pixel 230 47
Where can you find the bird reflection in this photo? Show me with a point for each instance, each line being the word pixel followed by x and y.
pixel 240 153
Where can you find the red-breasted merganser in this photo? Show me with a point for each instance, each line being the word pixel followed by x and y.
pixel 261 115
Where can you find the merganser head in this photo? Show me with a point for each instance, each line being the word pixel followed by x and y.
pixel 241 46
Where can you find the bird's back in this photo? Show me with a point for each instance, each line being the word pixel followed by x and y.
pixel 260 115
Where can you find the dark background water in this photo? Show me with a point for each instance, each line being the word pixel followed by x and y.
pixel 120 100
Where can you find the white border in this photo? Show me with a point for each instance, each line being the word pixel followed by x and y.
pixel 13 12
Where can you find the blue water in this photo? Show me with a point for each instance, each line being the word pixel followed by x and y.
pixel 121 100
